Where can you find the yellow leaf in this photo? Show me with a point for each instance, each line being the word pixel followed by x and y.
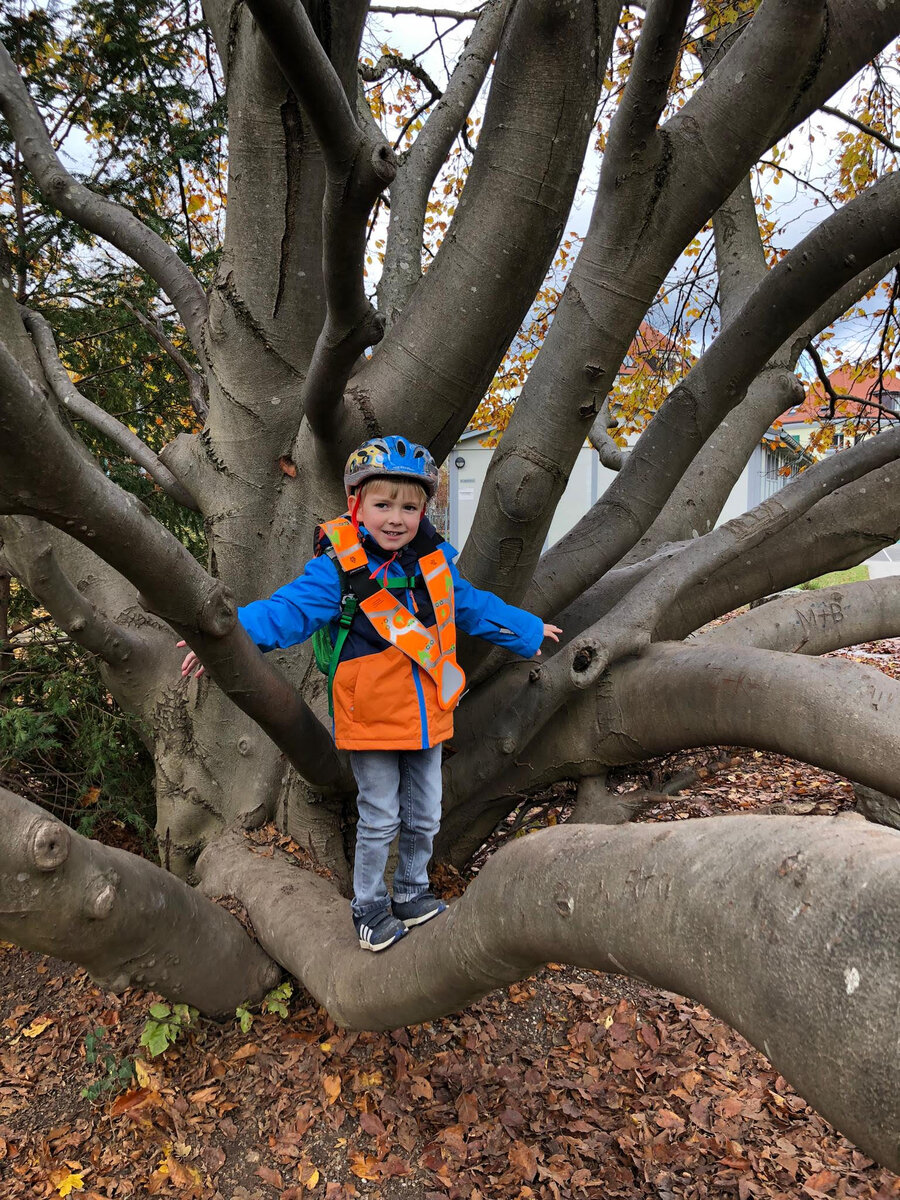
pixel 71 1183
pixel 37 1027
pixel 141 1073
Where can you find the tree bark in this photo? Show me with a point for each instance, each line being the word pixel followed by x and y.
pixel 791 939
pixel 127 922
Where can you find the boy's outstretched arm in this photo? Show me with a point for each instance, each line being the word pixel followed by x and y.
pixel 290 615
pixel 482 614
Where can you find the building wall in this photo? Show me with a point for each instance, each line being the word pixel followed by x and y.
pixel 589 480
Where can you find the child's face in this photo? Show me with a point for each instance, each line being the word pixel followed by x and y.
pixel 392 522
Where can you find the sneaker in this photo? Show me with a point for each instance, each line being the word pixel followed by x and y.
pixel 418 910
pixel 379 931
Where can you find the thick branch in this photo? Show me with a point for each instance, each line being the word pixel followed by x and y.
pixel 506 227
pixel 628 628
pixel 652 197
pixel 111 221
pixel 421 163
pixel 358 166
pixel 125 920
pixel 836 714
pixel 860 233
pixel 650 77
pixel 79 406
pixel 40 571
pixel 79 499
pixel 770 944
pixel 816 622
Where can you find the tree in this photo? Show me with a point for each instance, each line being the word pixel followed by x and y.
pixel 785 928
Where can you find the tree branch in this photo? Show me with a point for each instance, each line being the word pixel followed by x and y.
pixel 79 499
pixel 421 163
pixel 874 133
pixel 505 229
pixel 110 221
pixel 77 899
pixel 816 622
pixel 358 166
pixel 861 232
pixel 452 13
pixel 573 894
pixel 197 388
pixel 79 406
pixel 629 627
pixel 39 569
pixel 637 231
pixel 647 88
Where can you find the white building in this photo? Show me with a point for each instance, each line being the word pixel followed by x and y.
pixel 773 462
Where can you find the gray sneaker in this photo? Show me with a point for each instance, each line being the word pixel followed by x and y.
pixel 418 910
pixel 379 931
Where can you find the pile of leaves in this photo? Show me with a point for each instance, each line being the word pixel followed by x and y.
pixel 571 1084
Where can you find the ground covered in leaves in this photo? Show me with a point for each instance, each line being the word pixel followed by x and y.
pixel 571 1084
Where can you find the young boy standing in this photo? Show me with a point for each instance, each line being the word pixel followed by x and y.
pixel 384 582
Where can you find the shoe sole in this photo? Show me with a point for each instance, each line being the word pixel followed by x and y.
pixel 381 945
pixel 413 921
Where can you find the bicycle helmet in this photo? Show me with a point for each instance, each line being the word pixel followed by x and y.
pixel 394 457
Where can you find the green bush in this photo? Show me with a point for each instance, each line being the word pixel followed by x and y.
pixel 64 743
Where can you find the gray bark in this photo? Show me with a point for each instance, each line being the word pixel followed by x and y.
pixel 537 122
pixel 807 908
pixel 858 234
pixel 128 922
pixel 637 231
pixel 817 622
pixel 420 164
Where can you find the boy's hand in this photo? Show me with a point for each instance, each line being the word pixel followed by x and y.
pixel 191 665
pixel 551 631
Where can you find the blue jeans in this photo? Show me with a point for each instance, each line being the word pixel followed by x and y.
pixel 398 789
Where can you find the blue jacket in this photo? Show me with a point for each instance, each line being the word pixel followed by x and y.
pixel 383 700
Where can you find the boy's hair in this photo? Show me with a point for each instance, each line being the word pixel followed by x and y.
pixel 393 488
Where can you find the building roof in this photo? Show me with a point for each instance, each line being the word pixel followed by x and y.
pixel 850 382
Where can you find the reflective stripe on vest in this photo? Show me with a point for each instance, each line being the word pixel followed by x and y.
pixel 397 625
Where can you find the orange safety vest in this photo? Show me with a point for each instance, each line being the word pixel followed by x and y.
pixel 396 624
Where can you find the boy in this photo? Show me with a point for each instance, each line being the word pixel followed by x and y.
pixel 384 582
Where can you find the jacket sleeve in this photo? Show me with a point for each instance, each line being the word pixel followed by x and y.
pixel 297 610
pixel 485 615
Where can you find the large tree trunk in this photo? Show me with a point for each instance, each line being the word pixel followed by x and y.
pixel 128 922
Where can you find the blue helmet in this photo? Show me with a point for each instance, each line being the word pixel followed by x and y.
pixel 394 457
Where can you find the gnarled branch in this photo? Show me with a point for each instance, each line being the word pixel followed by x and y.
pixel 79 499
pixel 125 920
